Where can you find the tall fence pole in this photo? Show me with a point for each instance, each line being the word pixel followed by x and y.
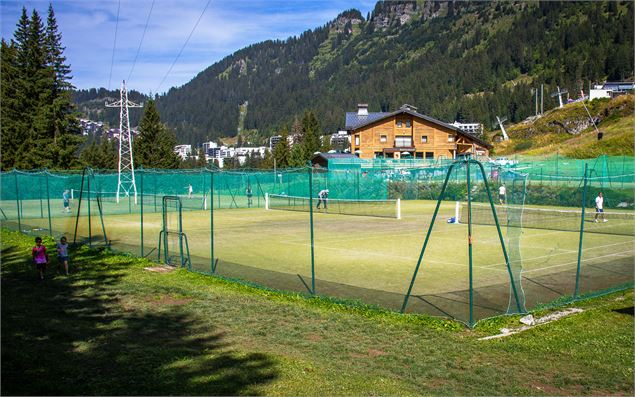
pixel 48 202
pixel 79 206
pixel 577 274
pixel 140 173
pixel 17 199
pixel 469 244
pixel 211 221
pixel 311 226
pixel 90 232
pixel 40 196
pixel 623 170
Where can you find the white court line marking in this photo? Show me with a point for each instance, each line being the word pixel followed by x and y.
pixel 623 253
pixel 413 259
pixel 565 253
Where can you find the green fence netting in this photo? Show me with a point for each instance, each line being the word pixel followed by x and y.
pixel 553 246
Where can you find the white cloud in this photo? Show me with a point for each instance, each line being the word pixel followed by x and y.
pixel 88 29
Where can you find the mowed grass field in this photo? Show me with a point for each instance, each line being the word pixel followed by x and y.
pixel 372 259
pixel 113 328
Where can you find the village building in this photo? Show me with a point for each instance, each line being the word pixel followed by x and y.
pixel 405 133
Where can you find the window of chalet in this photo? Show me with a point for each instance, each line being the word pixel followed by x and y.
pixel 403 141
pixel 399 123
pixel 450 138
pixel 356 139
pixel 408 123
pixel 424 139
pixel 383 138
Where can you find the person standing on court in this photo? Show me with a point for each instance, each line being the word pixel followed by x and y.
pixel 501 194
pixel 67 200
pixel 249 195
pixel 599 207
pixel 323 196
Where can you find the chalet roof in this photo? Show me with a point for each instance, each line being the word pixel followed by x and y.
pixel 355 121
pixel 328 156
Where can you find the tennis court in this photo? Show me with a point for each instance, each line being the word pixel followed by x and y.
pixel 372 259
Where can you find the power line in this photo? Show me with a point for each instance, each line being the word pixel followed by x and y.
pixel 134 63
pixel 114 45
pixel 182 48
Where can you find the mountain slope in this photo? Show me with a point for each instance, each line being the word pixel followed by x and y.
pixel 469 61
pixel 570 132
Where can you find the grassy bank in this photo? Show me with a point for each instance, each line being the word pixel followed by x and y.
pixel 547 135
pixel 112 327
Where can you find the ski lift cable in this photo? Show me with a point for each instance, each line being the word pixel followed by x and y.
pixel 114 45
pixel 145 28
pixel 183 47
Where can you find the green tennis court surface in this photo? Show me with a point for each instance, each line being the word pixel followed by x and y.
pixel 372 259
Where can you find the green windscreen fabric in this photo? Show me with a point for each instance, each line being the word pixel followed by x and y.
pixel 257 226
pixel 377 208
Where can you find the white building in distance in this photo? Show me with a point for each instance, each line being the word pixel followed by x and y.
pixel 183 151
pixel 470 128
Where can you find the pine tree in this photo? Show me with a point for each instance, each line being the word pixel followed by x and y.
pixel 201 161
pixel 297 158
pixel 10 109
pixel 326 144
pixel 55 54
pixel 154 147
pixel 310 135
pixel 38 126
pixel 267 161
pixel 282 152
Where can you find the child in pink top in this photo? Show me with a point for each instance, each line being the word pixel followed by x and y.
pixel 40 257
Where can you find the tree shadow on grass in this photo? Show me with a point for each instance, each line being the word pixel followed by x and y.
pixel 78 335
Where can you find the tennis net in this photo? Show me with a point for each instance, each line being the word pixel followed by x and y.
pixel 377 208
pixel 610 222
pixel 193 202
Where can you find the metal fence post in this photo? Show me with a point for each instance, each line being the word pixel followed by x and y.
pixel 211 221
pixel 48 202
pixel 311 226
pixel 577 274
pixel 469 245
pixel 90 234
pixel 17 199
pixel 140 173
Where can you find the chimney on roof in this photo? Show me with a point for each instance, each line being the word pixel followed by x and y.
pixel 408 107
pixel 362 109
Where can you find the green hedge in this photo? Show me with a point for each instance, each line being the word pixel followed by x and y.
pixel 552 195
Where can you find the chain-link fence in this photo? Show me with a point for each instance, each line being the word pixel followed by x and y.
pixel 279 229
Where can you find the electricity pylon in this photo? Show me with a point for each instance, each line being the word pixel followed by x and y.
pixel 126 180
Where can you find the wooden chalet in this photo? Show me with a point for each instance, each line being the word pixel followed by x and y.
pixel 405 133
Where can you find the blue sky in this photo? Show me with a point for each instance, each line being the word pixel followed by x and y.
pixel 88 32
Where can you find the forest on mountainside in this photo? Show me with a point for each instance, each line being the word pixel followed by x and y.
pixel 466 61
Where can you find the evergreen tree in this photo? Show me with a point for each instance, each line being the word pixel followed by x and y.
pixel 201 161
pixel 154 146
pixel 10 110
pixel 326 144
pixel 310 136
pixel 55 54
pixel 282 152
pixel 297 157
pixel 38 125
pixel 267 161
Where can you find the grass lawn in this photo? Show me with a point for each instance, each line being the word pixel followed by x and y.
pixel 113 328
pixel 372 259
